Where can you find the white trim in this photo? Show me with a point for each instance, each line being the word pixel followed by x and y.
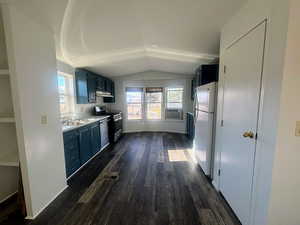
pixel 42 209
pixel 4 72
pixel 158 131
pixel 7 120
pixel 7 197
pixel 215 185
pixel 259 142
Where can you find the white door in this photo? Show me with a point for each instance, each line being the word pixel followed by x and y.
pixel 203 140
pixel 244 62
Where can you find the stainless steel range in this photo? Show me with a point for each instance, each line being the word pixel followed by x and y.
pixel 115 123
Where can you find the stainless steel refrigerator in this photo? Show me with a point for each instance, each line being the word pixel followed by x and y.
pixel 204 117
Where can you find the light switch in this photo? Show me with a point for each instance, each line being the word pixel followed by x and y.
pixel 297 132
pixel 44 119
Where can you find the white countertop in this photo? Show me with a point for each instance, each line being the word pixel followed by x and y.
pixel 84 122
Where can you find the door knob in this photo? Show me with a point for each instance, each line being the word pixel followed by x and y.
pixel 249 134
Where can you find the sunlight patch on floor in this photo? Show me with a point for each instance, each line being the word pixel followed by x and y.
pixel 192 155
pixel 177 156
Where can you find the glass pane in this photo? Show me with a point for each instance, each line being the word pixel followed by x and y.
pixel 154 97
pixel 134 111
pixel 175 96
pixel 174 105
pixel 154 111
pixel 134 97
pixel 61 84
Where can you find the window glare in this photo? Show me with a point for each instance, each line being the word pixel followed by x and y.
pixel 134 105
pixel 148 102
pixel 66 94
pixel 174 98
pixel 154 105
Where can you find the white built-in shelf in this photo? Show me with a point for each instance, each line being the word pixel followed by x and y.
pixel 7 119
pixel 10 159
pixel 4 72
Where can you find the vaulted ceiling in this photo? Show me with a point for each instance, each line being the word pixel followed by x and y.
pixel 119 37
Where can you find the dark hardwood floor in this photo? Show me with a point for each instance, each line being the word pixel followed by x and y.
pixel 145 179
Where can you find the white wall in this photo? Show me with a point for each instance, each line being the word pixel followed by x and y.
pixel 252 13
pixel 32 63
pixel 81 110
pixel 152 79
pixel 285 198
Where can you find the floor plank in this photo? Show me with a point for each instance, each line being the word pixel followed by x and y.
pixel 145 179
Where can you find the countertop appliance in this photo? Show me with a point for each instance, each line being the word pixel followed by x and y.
pixel 115 122
pixel 204 118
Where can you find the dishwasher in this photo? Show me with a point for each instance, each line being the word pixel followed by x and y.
pixel 104 133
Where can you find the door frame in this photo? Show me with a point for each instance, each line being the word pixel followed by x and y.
pixel 258 144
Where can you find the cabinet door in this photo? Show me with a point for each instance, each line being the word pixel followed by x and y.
pixel 85 137
pixel 100 83
pixel 96 137
pixel 104 133
pixel 108 86
pixel 92 86
pixel 110 99
pixel 81 86
pixel 71 148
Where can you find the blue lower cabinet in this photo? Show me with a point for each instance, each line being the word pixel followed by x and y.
pixel 72 156
pixel 96 137
pixel 85 141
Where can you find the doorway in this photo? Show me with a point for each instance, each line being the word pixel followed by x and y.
pixel 242 91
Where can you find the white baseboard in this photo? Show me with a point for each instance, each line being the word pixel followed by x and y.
pixel 7 197
pixel 42 209
pixel 215 185
pixel 167 131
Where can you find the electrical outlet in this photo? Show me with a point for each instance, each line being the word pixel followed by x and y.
pixel 44 119
pixel 297 132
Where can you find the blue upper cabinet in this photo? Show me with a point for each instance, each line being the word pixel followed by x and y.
pixel 81 80
pixel 88 83
pixel 92 87
pixel 112 91
pixel 101 84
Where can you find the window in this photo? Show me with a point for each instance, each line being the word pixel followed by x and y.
pixel 134 99
pixel 148 103
pixel 174 98
pixel 66 94
pixel 174 104
pixel 154 103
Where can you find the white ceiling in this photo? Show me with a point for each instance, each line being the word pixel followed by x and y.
pixel 119 37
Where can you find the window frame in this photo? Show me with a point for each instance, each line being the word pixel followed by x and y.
pixel 161 104
pixel 166 97
pixel 182 102
pixel 69 94
pixel 142 104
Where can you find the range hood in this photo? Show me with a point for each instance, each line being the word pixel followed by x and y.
pixel 103 94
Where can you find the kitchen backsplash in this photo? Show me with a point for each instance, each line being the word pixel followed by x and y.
pixel 84 110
